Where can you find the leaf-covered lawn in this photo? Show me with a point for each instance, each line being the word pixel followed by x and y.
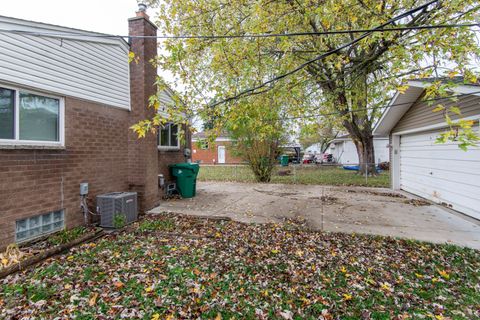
pixel 310 174
pixel 173 267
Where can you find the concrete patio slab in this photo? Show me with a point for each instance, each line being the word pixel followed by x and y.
pixel 337 209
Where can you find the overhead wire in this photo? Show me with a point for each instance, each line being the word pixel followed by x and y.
pixel 374 108
pixel 236 36
pixel 321 56
pixel 366 33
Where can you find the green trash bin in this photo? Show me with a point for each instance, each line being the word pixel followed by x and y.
pixel 284 160
pixel 186 174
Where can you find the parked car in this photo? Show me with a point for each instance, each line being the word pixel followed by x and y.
pixel 328 157
pixel 318 158
pixel 308 158
pixel 295 154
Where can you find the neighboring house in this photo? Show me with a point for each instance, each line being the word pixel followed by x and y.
pixel 344 151
pixel 67 101
pixel 219 152
pixel 314 149
pixel 442 173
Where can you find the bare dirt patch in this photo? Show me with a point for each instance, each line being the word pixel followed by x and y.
pixel 328 200
pixel 377 193
pixel 277 194
pixel 418 202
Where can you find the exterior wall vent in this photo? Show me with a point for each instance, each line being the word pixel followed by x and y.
pixel 117 208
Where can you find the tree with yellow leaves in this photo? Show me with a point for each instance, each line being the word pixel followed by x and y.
pixel 348 76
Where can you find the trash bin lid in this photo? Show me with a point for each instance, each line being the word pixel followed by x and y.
pixel 189 166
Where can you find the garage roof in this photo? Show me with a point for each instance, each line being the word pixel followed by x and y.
pixel 401 102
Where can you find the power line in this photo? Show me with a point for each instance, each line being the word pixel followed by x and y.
pixel 252 36
pixel 373 108
pixel 324 55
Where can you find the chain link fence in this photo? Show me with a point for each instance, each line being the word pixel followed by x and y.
pixel 320 174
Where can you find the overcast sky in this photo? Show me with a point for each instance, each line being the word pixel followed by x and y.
pixel 107 16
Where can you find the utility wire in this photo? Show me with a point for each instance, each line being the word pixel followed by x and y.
pixel 373 108
pixel 260 35
pixel 322 56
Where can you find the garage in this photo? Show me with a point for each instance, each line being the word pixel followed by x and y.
pixel 440 172
pixel 443 172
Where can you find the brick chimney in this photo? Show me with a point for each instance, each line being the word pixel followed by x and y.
pixel 142 152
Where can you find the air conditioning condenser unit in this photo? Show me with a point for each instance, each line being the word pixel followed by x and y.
pixel 117 209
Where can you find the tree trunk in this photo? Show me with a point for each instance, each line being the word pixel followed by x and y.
pixel 366 154
pixel 352 105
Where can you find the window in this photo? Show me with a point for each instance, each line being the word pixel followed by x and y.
pixel 34 227
pixel 168 136
pixel 30 118
pixel 203 144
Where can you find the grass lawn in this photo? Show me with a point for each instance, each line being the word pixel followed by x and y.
pixel 321 175
pixel 177 267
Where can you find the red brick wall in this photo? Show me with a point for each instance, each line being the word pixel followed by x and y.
pixel 99 149
pixel 210 155
pixel 142 153
pixel 39 181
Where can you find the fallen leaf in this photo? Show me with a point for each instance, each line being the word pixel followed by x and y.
pixel 347 297
pixel 93 299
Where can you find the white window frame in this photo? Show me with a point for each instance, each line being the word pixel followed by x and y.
pixel 32 143
pixel 169 124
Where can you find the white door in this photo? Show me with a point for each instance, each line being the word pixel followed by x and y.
pixel 221 154
pixel 441 172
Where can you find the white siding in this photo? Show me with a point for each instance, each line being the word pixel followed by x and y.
pixel 345 151
pixel 382 150
pixel 421 114
pixel 441 172
pixel 93 69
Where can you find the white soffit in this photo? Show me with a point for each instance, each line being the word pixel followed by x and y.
pixel 397 107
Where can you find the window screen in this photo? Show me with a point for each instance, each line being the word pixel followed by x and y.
pixel 168 135
pixel 173 135
pixel 39 118
pixel 7 114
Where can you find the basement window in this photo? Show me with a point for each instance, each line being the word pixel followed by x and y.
pixel 37 226
pixel 168 137
pixel 30 118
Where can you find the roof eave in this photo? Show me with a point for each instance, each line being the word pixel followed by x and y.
pixel 398 106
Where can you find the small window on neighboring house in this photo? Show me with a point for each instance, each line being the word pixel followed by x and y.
pixel 203 144
pixel 168 136
pixel 30 118
pixel 34 227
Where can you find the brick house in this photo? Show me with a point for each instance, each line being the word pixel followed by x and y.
pixel 67 100
pixel 220 152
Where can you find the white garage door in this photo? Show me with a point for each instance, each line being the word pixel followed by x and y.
pixel 441 172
